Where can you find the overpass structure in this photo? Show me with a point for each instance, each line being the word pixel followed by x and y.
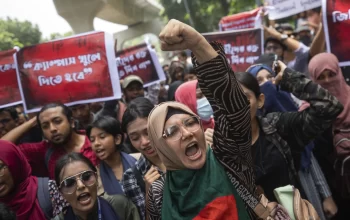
pixel 141 16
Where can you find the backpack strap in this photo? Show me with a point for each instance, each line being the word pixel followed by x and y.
pixel 48 154
pixel 43 195
pixel 139 178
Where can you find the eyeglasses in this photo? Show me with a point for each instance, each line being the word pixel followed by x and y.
pixel 69 185
pixel 174 132
pixel 2 169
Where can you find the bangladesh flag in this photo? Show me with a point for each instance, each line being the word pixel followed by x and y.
pixel 201 194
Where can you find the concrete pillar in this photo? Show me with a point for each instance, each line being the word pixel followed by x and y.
pixel 79 14
pixel 154 26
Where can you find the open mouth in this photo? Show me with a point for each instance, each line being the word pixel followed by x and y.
pixel 149 150
pixel 2 186
pixel 192 151
pixel 84 198
pixel 100 152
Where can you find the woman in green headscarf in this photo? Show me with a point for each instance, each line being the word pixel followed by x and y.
pixel 203 182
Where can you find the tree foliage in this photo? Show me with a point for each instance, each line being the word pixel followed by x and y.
pixel 205 14
pixel 56 35
pixel 18 33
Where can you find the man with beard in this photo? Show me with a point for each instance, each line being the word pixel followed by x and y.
pixel 58 128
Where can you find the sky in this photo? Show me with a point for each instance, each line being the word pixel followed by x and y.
pixel 43 13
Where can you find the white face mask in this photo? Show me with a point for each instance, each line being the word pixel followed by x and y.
pixel 204 109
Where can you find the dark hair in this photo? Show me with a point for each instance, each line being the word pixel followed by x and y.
pixel 12 111
pixel 137 108
pixel 165 65
pixel 248 81
pixel 275 40
pixel 108 124
pixel 172 70
pixel 6 213
pixel 69 158
pixel 316 10
pixel 287 27
pixel 183 53
pixel 65 110
pixel 191 70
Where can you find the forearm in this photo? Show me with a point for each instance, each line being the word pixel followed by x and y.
pixel 204 52
pixel 318 43
pixel 219 84
pixel 292 44
pixel 322 103
pixel 15 134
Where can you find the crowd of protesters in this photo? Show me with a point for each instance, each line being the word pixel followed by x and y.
pixel 269 142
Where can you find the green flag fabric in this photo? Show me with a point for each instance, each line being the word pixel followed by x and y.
pixel 201 194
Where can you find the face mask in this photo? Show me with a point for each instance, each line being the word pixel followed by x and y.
pixel 204 109
pixel 305 40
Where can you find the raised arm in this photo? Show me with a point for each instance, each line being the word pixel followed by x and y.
pixel 232 133
pixel 299 128
pixel 15 134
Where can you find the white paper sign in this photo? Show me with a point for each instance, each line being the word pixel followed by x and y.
pixel 278 9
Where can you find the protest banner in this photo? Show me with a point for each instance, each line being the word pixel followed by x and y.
pixel 242 47
pixel 142 61
pixel 9 90
pixel 74 70
pixel 244 20
pixel 278 9
pixel 336 21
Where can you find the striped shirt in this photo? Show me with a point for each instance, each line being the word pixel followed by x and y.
pixel 232 133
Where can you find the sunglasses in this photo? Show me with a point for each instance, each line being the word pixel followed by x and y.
pixel 69 185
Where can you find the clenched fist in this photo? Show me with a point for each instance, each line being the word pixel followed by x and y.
pixel 179 36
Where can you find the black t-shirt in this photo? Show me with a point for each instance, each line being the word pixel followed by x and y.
pixel 271 169
pixel 33 136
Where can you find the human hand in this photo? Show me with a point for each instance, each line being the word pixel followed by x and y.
pixel 329 207
pixel 151 176
pixel 282 67
pixel 179 36
pixel 209 133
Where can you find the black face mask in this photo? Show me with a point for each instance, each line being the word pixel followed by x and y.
pixel 305 40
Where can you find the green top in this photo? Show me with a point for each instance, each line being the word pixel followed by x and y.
pixel 206 193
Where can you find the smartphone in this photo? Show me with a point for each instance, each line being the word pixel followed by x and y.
pixel 276 67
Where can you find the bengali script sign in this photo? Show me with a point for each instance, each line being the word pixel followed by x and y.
pixel 278 9
pixel 74 70
pixel 244 20
pixel 140 60
pixel 242 47
pixel 336 21
pixel 9 90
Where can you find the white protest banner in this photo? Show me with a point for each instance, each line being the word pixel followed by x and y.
pixel 278 9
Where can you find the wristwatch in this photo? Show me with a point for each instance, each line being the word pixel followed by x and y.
pixel 284 37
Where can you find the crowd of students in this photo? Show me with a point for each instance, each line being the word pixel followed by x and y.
pixel 207 143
